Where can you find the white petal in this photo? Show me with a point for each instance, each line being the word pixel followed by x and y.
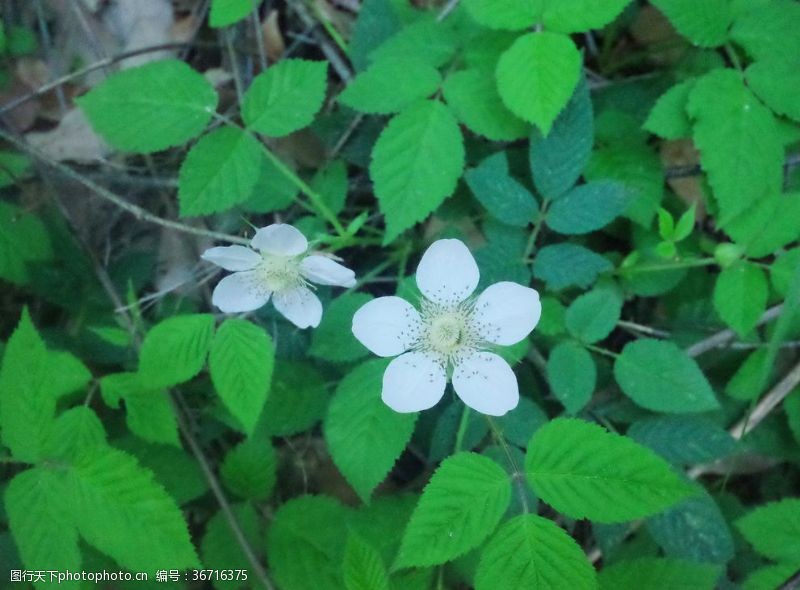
pixel 506 312
pixel 486 383
pixel 388 326
pixel 413 382
pixel 240 292
pixel 232 257
pixel 324 271
pixel 281 239
pixel 300 306
pixel 447 272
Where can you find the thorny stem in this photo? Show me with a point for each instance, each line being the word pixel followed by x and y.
pixel 518 475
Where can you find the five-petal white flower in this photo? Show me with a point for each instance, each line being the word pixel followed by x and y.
pixel 281 269
pixel 450 335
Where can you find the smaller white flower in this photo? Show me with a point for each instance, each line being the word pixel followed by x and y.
pixel 276 266
pixel 450 336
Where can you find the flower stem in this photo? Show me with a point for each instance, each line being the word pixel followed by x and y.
pixel 518 475
pixel 691 263
pixel 462 428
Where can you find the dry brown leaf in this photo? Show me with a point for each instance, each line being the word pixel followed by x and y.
pixel 274 44
pixel 72 139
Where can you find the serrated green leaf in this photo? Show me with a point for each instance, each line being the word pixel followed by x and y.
pixel 220 171
pixel 365 437
pixel 584 471
pixel 227 12
pixel 73 432
pixel 777 83
pixel 416 163
pixel 222 551
pixel 740 148
pixel 23 241
pixel 428 40
pixel 769 30
pixel 472 96
pixel 683 440
pixel 668 117
pixel 774 529
pixel 150 415
pixel 459 508
pixel 518 426
pixel 593 315
pixel 249 469
pixel 390 85
pixel 567 265
pixel 297 399
pixel 572 375
pixel 534 553
pixel 659 376
pixel 572 16
pixel 748 380
pixel 174 350
pixel 505 198
pixel 241 360
pixel 333 340
pixel 537 76
pixel 768 225
pixel 588 207
pixel 558 159
pixel 363 566
pixel 330 182
pixel 783 269
pixel 704 23
pixel 285 97
pixel 656 573
pixel 151 107
pixel 740 296
pixel 377 21
pixel 512 15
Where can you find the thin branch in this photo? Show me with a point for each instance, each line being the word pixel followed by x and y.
pixel 339 64
pixel 720 339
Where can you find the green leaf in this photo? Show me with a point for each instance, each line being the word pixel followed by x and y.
pixel 584 471
pixel 390 85
pixel 364 436
pixel 656 573
pixel 513 15
pixel 333 340
pixel 427 40
pixel 573 16
pixel 668 117
pixel 121 511
pixel 537 76
pixel 227 12
pixel 363 566
pixel 659 376
pixel 683 440
pixel 748 380
pixel 777 83
pixel 240 361
pixel 588 207
pixel 331 183
pixel 558 159
pixel 739 144
pixel 518 426
pixel 782 270
pixel 704 23
pixel 472 96
pixel 567 265
pixel 149 412
pixel 222 551
pixel 152 107
pixel 416 163
pixel 459 508
pixel 23 241
pixel 685 225
pixel 769 576
pixel 505 198
pixel 774 529
pixel 285 97
pixel 249 469
pixel 593 315
pixel 174 350
pixel 572 375
pixel 297 400
pixel 769 30
pixel 74 432
pixel 305 543
pixel 220 171
pixel 768 225
pixel 13 167
pixel 740 296
pixel 532 552
pixel 37 502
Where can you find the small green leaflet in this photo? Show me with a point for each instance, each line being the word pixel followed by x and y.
pixel 512 15
pixel 588 207
pixel 461 506
pixel 149 412
pixel 584 471
pixel 416 163
pixel 389 85
pixel 297 400
pixel 704 23
pixel 768 225
pixel 740 296
pixel 777 83
pixel 769 30
pixel 285 97
pixel 175 349
pixel 656 573
pixel 24 240
pixel 363 566
pixel 427 40
pixel 668 117
pixel 227 12
pixel 580 15
pixel 241 359
pixel 220 549
pixel 593 315
pixel 683 439
pixel 249 469
pixel 333 339
pixel 505 198
pixel 774 529
pixel 566 265
pixel 168 99
pixel 572 375
pixel 75 431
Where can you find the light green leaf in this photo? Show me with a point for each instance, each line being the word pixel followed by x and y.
pixel 416 163
pixel 777 83
pixel 534 553
pixel 73 432
pixel 739 144
pixel 683 440
pixel 505 198
pixel 769 30
pixel 285 97
pixel 23 241
pixel 774 529
pixel 769 576
pixel 240 361
pixel 537 76
pixel 566 265
pixel 220 171
pixel 390 85
pixel 749 379
pixel 330 182
pixel 704 23
pixel 740 296
pixel 472 96
pixel 668 117
pixel 572 375
pixel 363 566
pixel 249 469
pixel 768 225
pixel 174 350
pixel 459 508
pixel 365 437
pixel 333 340
pixel 659 376
pixel 558 159
pixel 297 400
pixel 222 551
pixel 656 573
pixel 584 471
pixel 513 15
pixel 783 269
pixel 152 107
pixel 593 315
pixel 227 12
pixel 427 40
pixel 573 16
pixel 588 207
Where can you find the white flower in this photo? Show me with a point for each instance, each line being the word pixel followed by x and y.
pixel 449 335
pixel 281 269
